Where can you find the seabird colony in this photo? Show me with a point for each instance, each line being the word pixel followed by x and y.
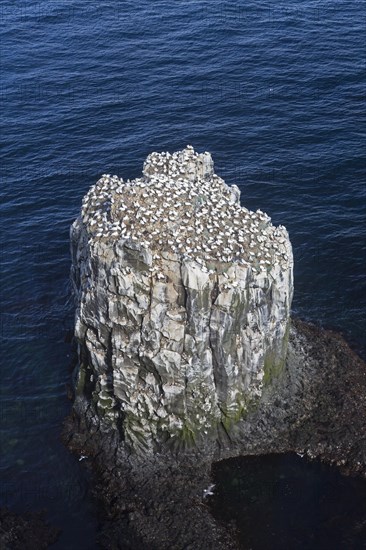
pixel 180 205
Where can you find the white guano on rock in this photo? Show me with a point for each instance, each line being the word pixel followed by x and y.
pixel 183 301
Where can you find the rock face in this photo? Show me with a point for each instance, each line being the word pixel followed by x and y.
pixel 183 302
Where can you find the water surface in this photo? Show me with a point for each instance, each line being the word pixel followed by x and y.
pixel 273 90
pixel 285 501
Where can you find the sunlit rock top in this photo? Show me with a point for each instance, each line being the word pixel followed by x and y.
pixel 181 206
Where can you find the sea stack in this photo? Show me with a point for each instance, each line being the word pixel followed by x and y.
pixel 183 303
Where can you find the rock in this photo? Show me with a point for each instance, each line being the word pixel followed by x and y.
pixel 316 406
pixel 25 532
pixel 183 302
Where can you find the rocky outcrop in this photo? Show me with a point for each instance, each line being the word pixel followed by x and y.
pixel 315 407
pixel 183 302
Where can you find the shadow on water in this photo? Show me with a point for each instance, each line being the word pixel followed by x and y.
pixel 280 502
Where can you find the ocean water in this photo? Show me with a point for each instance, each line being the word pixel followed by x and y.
pixel 286 502
pixel 274 90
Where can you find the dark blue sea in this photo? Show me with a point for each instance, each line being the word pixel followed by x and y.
pixel 274 90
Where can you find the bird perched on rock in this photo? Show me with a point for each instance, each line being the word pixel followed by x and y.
pixel 176 188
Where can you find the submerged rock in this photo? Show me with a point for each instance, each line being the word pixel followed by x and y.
pixel 25 532
pixel 183 302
